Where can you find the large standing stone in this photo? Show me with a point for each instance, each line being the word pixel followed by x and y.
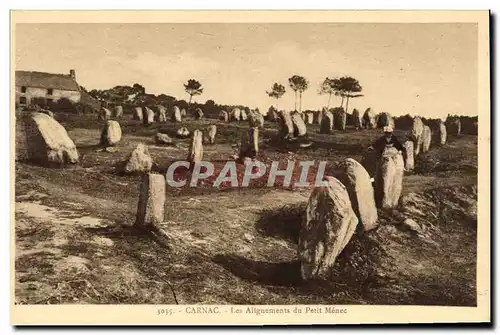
pixel 118 112
pixel 359 187
pixel 149 116
pixel 408 154
pixel 211 132
pixel 369 119
pixel 42 139
pixel 111 134
pixel 255 119
pixel 417 132
pixel 151 205
pixel 385 120
pixel 389 178
pixel 442 133
pixel 162 114
pixel 176 114
pixel 340 119
pixel 235 114
pixel 426 138
pixel 223 116
pixel 249 143
pixel 138 113
pixel 329 224
pixel 139 160
pixel 286 124
pixel 183 112
pixel 299 126
pixel 196 149
pixel 357 120
pixel 105 114
pixel 327 123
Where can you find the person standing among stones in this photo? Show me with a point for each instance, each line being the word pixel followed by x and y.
pixel 388 140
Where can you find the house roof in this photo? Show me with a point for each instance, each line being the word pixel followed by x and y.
pixel 46 80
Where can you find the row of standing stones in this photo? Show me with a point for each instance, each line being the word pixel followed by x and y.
pixel 334 210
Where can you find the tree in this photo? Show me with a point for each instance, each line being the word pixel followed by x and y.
pixel 298 84
pixel 331 86
pixel 193 87
pixel 350 88
pixel 277 91
pixel 210 103
pixel 139 89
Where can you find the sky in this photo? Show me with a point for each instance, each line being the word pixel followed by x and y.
pixel 416 68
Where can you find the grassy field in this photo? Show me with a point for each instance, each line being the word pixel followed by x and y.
pixel 75 242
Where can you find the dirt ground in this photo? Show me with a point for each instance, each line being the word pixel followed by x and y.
pixel 75 242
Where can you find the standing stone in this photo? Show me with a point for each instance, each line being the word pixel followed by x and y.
pixel 183 132
pixel 442 133
pixel 357 120
pixel 139 160
pixel 385 120
pixel 211 132
pixel 369 119
pixel 138 113
pixel 243 115
pixel 235 114
pixel 255 119
pixel 309 118
pixel 196 148
pixel 151 205
pixel 299 127
pixel 408 154
pixel 105 114
pixel 118 112
pixel 149 116
pixel 416 133
pixel 249 143
pixel 176 114
pixel 286 124
pixel 162 114
pixel 327 123
pixel 223 116
pixel 40 138
pixel 329 225
pixel 111 134
pixel 272 114
pixel 163 139
pixel 359 187
pixel 426 138
pixel 389 178
pixel 340 118
pixel 198 113
pixel 454 125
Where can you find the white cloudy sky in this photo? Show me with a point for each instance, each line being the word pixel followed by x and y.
pixel 426 69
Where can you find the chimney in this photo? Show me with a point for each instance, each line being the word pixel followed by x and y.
pixel 72 74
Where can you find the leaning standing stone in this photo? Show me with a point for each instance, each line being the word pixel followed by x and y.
pixel 176 114
pixel 162 114
pixel 329 224
pixel 369 119
pixel 196 148
pixel 139 160
pixel 111 134
pixel 417 132
pixel 149 116
pixel 286 124
pixel 357 120
pixel 198 113
pixel 359 187
pixel 151 206
pixel 389 179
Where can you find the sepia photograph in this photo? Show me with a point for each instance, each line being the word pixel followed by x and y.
pixel 272 167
